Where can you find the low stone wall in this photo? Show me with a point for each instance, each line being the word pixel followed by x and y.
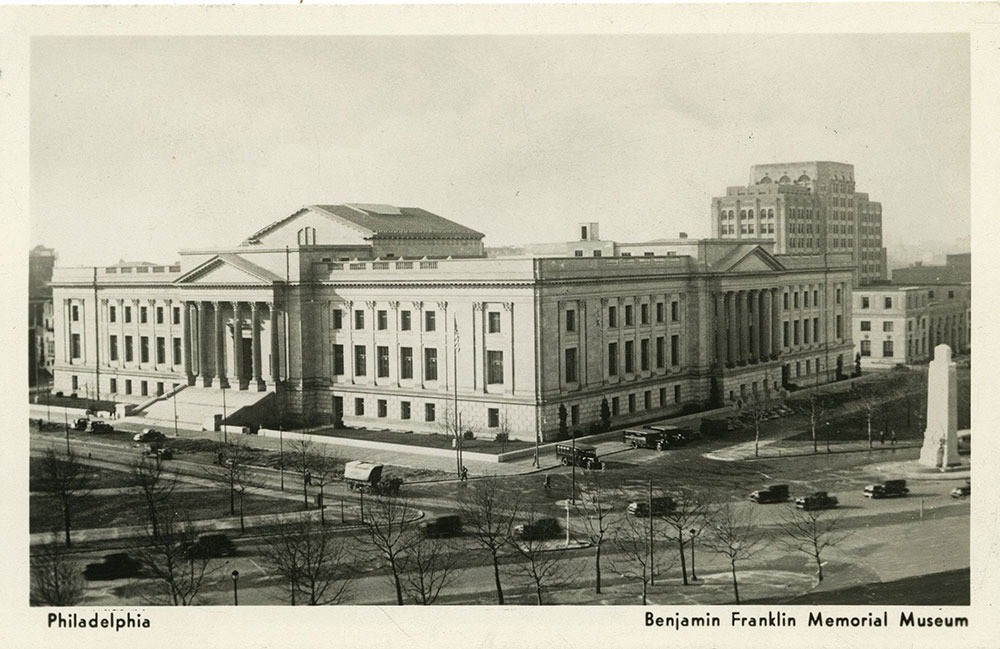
pixel 384 446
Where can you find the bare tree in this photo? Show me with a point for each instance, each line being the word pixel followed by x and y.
pixel 390 531
pixel 489 512
pixel 691 509
pixel 168 557
pixel 55 578
pixel 755 410
pixel 812 532
pixel 431 567
pixel 540 565
pixel 814 407
pixel 63 478
pixel 234 473
pixel 633 541
pixel 870 398
pixel 147 480
pixel 314 563
pixel 734 534
pixel 595 506
pixel 301 452
pixel 323 469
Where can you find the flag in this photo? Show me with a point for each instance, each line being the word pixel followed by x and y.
pixel 457 340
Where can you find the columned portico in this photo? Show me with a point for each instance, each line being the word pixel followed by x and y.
pixel 216 354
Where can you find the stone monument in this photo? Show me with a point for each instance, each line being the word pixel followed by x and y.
pixel 940 447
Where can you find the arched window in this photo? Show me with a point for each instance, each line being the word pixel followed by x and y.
pixel 743 214
pixel 784 180
pixel 307 236
pixel 766 180
pixel 804 178
pixel 750 214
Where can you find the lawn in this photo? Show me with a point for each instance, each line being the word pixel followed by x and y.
pixel 125 509
pixel 99 478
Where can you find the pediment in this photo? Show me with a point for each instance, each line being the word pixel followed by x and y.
pixel 222 270
pixel 755 261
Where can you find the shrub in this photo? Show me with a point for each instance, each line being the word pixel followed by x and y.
pixel 468 435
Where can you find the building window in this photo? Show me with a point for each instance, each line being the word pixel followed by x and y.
pixel 578 253
pixel 143 388
pixel 128 386
pixel 493 322
pixel 629 315
pixel 143 314
pixel 612 359
pixel 631 403
pixel 675 311
pixel 338 360
pixel 888 302
pixel 644 354
pixel 808 372
pixel 337 319
pixel 404 409
pixel 795 299
pixel 159 315
pixel 76 313
pixel 128 314
pixel 112 314
pixel 430 321
pixel 815 330
pixel 866 325
pixel 805 299
pixel 887 349
pixel 382 407
pixel 382 356
pixel 887 326
pixel 494 367
pixel 629 356
pixel 659 312
pixel 406 362
pixel 144 349
pixel 429 414
pixel 360 360
pixel 176 315
pixel 951 295
pixel 382 320
pixel 784 333
pixel 570 319
pixel 615 406
pixel 805 331
pixel 431 364
pixel 113 347
pixel 644 314
pixel 574 415
pixel 128 349
pixel 571 376
pixel 663 397
pixel 74 383
pixel 647 400
pixel 612 316
pixel 660 352
pixel 677 394
pixel 864 302
pixel 815 298
pixel 114 386
pixel 159 388
pixel 359 407
pixel 404 320
pixel 675 350
pixel 597 253
pixel 359 319
pixel 797 329
pixel 177 352
pixel 161 350
pixel 493 417
pixel 866 348
pixel 785 299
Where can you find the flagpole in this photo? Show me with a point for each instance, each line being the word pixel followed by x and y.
pixel 454 382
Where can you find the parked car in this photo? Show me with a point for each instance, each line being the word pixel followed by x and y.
pixel 210 546
pixel 442 526
pixel 887 489
pixel 777 493
pixel 149 435
pixel 641 438
pixel 817 500
pixel 114 566
pixel 543 528
pixel 661 505
pixel 367 477
pixel 677 436
pixel 98 426
pixel 154 450
pixel 963 491
pixel 585 456
pixel 81 423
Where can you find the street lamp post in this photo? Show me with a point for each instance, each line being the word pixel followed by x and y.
pixel 225 436
pixel 694 533
pixel 827 437
pixel 281 454
pixel 236 594
pixel 176 434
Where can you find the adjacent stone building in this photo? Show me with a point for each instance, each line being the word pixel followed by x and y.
pixel 385 317
pixel 41 333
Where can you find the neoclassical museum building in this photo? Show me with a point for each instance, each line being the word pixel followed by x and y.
pixel 386 317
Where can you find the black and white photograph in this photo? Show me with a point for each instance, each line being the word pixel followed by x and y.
pixel 376 308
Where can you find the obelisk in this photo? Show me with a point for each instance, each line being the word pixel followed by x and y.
pixel 940 447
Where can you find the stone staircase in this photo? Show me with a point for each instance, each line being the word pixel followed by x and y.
pixel 197 404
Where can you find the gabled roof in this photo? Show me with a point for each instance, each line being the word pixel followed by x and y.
pixel 229 259
pixel 379 220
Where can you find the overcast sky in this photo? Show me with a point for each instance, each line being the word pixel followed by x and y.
pixel 144 146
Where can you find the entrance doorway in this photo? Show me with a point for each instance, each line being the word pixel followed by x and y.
pixel 246 371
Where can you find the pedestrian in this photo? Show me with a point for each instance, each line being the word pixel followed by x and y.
pixel 892 437
pixel 881 437
pixel 465 474
pixel 548 482
pixel 308 478
pixel 219 459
